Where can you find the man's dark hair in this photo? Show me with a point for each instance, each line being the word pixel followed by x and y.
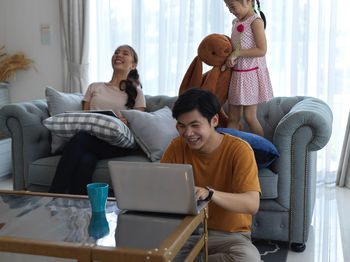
pixel 204 101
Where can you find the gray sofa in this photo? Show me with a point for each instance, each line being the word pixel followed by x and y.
pixel 297 126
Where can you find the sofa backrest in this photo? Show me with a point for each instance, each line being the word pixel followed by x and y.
pixel 153 103
pixel 270 113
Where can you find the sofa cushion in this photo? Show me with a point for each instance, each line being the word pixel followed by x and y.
pixel 59 102
pixel 265 152
pixel 153 131
pixel 268 183
pixel 104 127
pixel 41 171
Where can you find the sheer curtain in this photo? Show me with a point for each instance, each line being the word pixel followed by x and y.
pixel 165 34
pixel 74 17
pixel 307 54
pixel 307 49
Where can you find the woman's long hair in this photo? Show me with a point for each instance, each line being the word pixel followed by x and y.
pixel 132 81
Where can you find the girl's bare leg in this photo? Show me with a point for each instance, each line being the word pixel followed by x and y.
pixel 249 114
pixel 234 116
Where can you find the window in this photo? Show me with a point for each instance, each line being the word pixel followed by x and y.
pixel 307 48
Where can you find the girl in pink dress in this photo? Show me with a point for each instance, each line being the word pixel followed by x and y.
pixel 250 82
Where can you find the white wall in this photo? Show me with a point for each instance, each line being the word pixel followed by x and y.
pixel 20 22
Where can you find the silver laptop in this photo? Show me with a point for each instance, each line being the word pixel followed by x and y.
pixel 154 187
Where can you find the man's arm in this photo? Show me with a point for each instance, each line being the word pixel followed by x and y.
pixel 245 203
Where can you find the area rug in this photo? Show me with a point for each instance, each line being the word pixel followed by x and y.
pixel 272 251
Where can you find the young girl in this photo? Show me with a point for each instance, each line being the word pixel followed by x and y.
pixel 250 81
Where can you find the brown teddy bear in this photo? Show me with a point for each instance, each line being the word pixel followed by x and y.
pixel 213 50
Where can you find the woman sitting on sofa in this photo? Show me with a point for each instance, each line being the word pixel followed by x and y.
pixel 81 153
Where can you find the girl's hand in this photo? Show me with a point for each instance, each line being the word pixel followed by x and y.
pixel 231 61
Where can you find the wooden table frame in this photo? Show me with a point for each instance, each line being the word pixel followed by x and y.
pixel 164 253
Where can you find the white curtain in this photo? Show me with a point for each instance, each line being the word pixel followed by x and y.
pixel 74 15
pixel 343 174
pixel 165 34
pixel 307 49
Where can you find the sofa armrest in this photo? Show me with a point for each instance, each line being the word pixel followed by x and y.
pixel 304 130
pixel 30 139
pixel 311 112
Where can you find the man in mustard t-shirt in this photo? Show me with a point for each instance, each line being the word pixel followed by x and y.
pixel 224 169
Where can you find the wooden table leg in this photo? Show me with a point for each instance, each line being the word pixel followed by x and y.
pixel 205 248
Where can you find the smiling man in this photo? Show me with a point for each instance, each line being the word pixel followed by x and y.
pixel 224 170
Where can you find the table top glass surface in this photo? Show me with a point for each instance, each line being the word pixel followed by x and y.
pixel 71 220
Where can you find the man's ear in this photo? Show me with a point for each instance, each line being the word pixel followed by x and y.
pixel 177 127
pixel 215 120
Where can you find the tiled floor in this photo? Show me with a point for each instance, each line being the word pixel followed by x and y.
pixel 6 183
pixel 329 238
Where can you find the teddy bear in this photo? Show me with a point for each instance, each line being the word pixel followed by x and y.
pixel 213 51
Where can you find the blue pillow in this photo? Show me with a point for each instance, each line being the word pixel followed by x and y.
pixel 265 152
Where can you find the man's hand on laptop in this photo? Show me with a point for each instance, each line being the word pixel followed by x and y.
pixel 201 193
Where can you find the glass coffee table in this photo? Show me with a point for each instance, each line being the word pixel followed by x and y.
pixel 56 225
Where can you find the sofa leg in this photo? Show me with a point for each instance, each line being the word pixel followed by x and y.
pixel 298 247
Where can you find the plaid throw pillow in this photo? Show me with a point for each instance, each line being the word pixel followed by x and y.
pixel 107 128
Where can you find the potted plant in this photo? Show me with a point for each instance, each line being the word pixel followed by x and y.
pixel 9 64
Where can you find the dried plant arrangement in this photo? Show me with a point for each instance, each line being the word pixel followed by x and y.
pixel 9 64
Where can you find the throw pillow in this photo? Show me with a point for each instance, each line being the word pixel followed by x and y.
pixel 59 102
pixel 153 131
pixel 107 128
pixel 265 152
